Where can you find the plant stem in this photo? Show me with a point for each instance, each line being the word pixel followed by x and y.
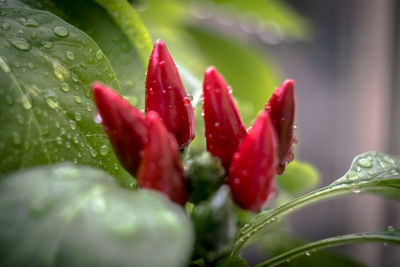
pixel 384 236
pixel 265 218
pixel 126 17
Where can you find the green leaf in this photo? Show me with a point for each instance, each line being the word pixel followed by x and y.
pixel 370 172
pixel 109 37
pixel 390 236
pixel 66 215
pixel 298 178
pixel 232 261
pixel 47 67
pixel 125 16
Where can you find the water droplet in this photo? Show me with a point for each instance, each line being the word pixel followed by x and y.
pixel 371 173
pixel 77 99
pixel 25 102
pixel 5 26
pixel 59 140
pixel 390 228
pixel 47 44
pixel 70 55
pixel 356 190
pixel 388 160
pixel 30 23
pixel 74 77
pixel 16 138
pixel 78 116
pixel 68 144
pixel 89 107
pixel 64 87
pixel 63 131
pixel 20 119
pixel 61 31
pixel 72 124
pixel 20 43
pixel 51 103
pixel 116 166
pixel 98 119
pixel 75 139
pixel 34 35
pixel 4 66
pixel 216 124
pixel 59 71
pixel 99 54
pixel 93 152
pixel 352 176
pixel 308 253
pixel 104 150
pixel 365 163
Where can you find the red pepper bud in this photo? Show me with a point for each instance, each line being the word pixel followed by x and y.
pixel 281 107
pixel 224 129
pixel 254 166
pixel 160 168
pixel 166 95
pixel 125 126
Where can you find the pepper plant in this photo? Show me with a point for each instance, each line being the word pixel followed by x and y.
pixel 98 170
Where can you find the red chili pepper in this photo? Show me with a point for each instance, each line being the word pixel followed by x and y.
pixel 160 168
pixel 281 107
pixel 125 126
pixel 224 129
pixel 254 166
pixel 166 95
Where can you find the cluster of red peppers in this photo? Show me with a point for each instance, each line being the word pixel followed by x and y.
pixel 148 145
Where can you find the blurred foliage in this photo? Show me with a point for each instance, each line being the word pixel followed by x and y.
pixel 221 33
pixel 298 178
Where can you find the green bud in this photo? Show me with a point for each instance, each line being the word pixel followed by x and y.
pixel 205 175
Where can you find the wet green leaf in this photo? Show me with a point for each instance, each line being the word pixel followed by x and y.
pixel 47 67
pixel 370 172
pixel 66 215
pixel 94 20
